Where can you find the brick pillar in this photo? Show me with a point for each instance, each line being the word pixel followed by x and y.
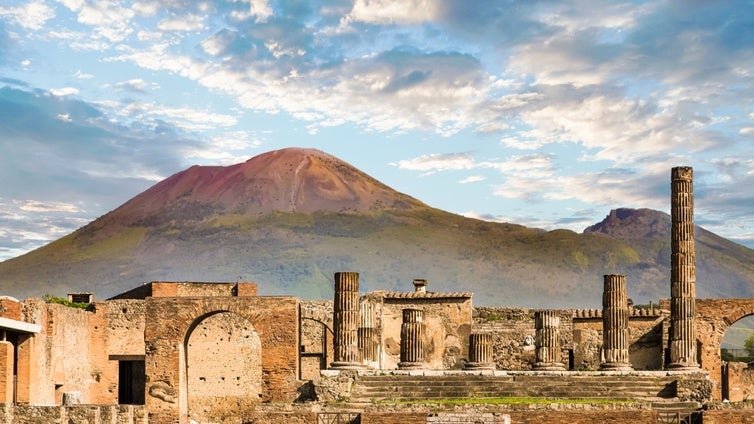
pixel 412 340
pixel 346 321
pixel 682 271
pixel 615 314
pixel 480 352
pixel 547 340
pixel 368 340
pixel 6 372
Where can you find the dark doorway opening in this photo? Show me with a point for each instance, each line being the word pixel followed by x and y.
pixel 131 382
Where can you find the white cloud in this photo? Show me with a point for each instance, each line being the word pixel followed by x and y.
pixel 438 162
pixel 40 206
pixel 108 18
pixel 136 85
pixel 65 91
pixel 261 9
pixel 81 75
pixel 65 117
pixel 186 118
pixel 31 16
pixel 146 8
pixel 182 23
pixel 394 11
pixel 472 179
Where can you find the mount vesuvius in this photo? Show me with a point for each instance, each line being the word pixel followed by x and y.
pixel 288 219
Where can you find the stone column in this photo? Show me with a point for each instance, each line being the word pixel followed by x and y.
pixel 480 352
pixel 368 340
pixel 412 340
pixel 682 271
pixel 615 314
pixel 346 321
pixel 547 340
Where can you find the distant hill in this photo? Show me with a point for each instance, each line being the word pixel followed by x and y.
pixel 289 219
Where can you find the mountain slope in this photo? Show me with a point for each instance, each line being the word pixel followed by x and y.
pixel 291 218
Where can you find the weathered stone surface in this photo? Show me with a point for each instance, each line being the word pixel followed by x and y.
pixel 170 320
pixel 615 315
pixel 682 344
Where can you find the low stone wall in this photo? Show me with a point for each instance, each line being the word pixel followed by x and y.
pixel 739 413
pixel 76 414
pixel 740 379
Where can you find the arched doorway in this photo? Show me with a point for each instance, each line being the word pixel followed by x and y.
pixel 316 347
pixel 737 352
pixel 223 359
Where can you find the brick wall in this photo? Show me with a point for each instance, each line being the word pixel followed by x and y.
pixel 393 417
pixel 170 320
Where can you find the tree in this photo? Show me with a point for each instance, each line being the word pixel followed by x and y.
pixel 749 345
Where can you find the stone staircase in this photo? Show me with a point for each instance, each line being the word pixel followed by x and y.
pixel 412 387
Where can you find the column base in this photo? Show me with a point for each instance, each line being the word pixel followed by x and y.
pixel 479 366
pixel 346 366
pixel 548 366
pixel 683 366
pixel 615 366
pixel 411 365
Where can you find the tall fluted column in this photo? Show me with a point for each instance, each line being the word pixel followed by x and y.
pixel 615 314
pixel 547 341
pixel 480 352
pixel 368 340
pixel 412 339
pixel 346 321
pixel 682 271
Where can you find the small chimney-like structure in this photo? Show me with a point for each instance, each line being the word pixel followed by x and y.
pixel 420 285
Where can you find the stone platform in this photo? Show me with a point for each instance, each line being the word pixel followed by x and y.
pixel 651 387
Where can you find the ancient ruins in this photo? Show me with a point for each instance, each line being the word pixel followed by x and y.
pixel 183 352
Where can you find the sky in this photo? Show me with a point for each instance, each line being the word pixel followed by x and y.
pixel 542 113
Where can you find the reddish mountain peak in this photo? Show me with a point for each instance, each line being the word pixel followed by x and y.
pixel 288 180
pixel 625 223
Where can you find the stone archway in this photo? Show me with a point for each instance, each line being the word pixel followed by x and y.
pixel 713 318
pixel 170 320
pixel 317 350
pixel 223 357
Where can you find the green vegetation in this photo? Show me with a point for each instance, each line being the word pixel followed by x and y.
pixel 117 245
pixel 749 344
pixel 65 302
pixel 511 401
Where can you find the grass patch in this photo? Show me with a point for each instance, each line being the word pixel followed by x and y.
pixel 115 246
pixel 509 401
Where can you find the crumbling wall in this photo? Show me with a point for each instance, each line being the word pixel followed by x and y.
pixel 75 414
pixel 316 337
pixel 447 326
pixel 223 367
pixel 170 320
pixel 645 332
pixel 513 335
pixel 713 318
pixel 739 377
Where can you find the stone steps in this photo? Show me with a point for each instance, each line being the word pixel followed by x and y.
pixel 417 387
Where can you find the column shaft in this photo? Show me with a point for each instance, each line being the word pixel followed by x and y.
pixel 346 321
pixel 412 339
pixel 615 315
pixel 547 341
pixel 480 352
pixel 682 271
